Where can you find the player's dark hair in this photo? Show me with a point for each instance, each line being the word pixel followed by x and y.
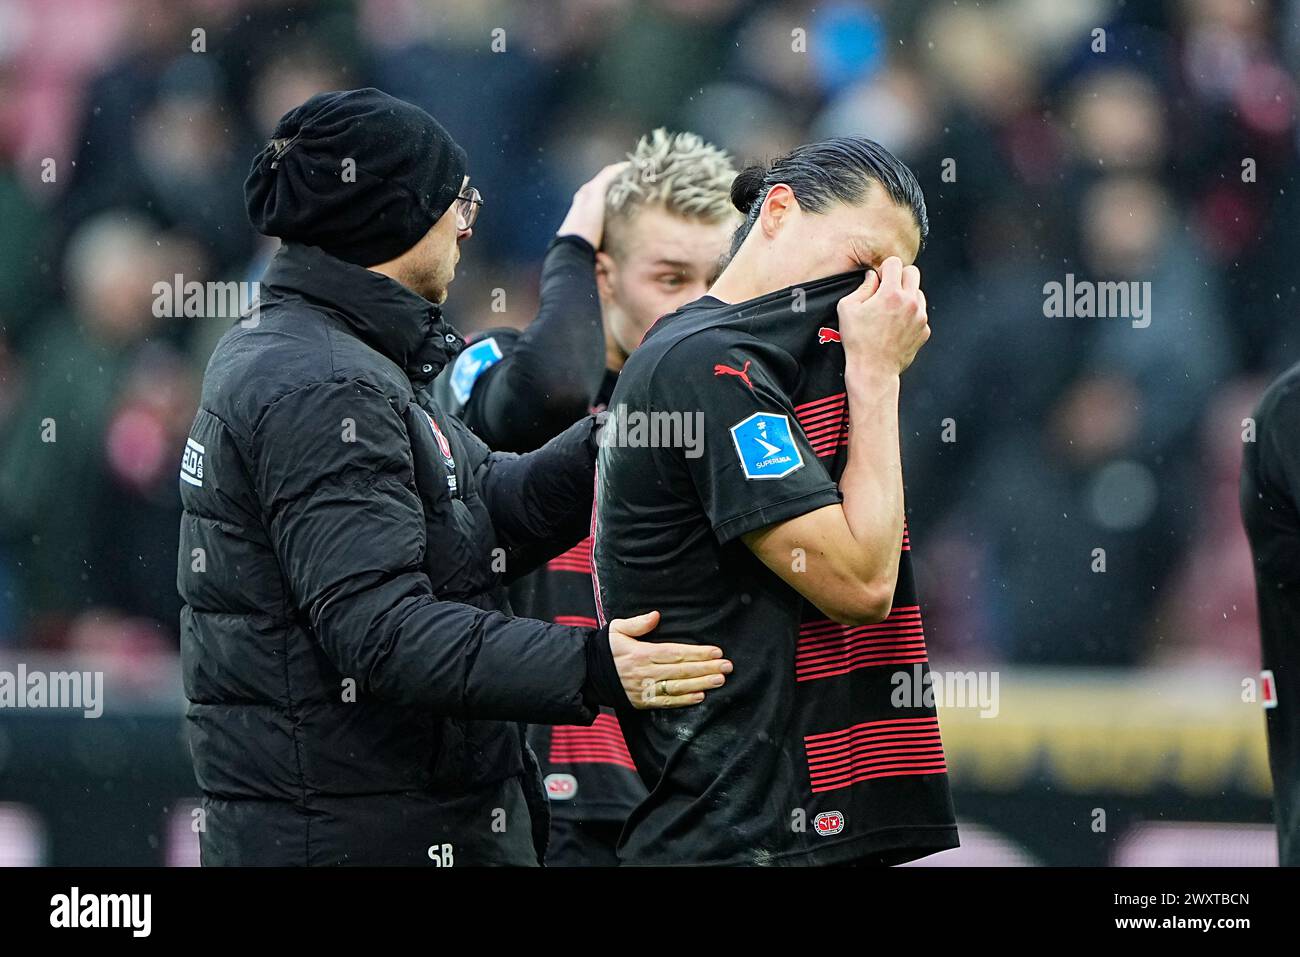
pixel 835 170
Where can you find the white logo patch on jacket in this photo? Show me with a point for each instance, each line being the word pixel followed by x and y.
pixel 192 463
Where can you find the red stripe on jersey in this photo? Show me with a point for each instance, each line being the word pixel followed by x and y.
pixel 822 419
pixel 576 621
pixel 576 559
pixel 602 743
pixel 827 649
pixel 825 422
pixel 816 404
pixel 874 749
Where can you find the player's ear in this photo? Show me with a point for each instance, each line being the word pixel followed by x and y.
pixel 606 271
pixel 776 209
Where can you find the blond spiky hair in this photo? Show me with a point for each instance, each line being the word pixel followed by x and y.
pixel 677 171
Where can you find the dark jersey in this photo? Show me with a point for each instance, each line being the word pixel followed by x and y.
pixel 1270 510
pixel 727 419
pixel 588 771
pixel 590 775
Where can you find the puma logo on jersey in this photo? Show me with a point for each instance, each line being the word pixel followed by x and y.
pixel 826 334
pixel 721 369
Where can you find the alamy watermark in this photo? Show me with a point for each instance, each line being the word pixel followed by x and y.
pixel 177 299
pixel 133 912
pixel 1085 299
pixel 654 430
pixel 82 690
pixel 945 689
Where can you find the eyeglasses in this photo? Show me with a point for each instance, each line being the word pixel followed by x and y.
pixel 467 207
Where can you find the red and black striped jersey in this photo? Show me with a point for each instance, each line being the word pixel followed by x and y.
pixel 807 755
pixel 589 772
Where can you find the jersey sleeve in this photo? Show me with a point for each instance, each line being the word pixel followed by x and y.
pixel 752 465
pixel 517 389
pixel 458 384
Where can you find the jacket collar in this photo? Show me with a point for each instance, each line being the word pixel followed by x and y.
pixel 383 313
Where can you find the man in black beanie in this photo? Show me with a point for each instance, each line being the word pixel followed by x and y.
pixel 356 691
pixel 365 177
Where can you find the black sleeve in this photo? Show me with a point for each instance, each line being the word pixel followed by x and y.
pixel 332 468
pixel 1270 486
pixel 1278 454
pixel 540 502
pixel 753 465
pixel 554 369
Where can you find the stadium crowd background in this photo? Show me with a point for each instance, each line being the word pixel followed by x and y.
pixel 1071 434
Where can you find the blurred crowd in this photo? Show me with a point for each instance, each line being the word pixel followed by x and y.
pixel 1071 481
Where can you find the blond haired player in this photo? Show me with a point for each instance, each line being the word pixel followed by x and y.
pixel 642 238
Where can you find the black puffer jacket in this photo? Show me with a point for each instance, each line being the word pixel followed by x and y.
pixel 353 696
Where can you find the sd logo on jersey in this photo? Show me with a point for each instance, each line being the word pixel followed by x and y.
pixel 1267 686
pixel 828 822
pixel 766 446
pixel 471 364
pixel 561 787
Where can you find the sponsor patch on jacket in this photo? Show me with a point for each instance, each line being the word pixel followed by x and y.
pixel 192 463
pixel 444 447
pixel 561 787
pixel 471 364
pixel 766 446
pixel 828 822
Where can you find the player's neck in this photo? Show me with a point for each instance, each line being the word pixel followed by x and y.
pixel 743 279
pixel 614 354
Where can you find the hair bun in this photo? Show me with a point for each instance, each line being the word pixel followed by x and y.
pixel 747 186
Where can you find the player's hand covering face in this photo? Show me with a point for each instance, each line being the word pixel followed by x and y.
pixel 884 321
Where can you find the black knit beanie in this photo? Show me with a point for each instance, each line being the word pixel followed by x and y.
pixel 405 173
